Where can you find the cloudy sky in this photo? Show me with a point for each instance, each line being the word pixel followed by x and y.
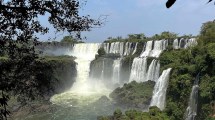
pixel 143 16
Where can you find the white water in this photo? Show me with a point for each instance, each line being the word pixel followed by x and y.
pixel 83 88
pixel 140 73
pixel 116 71
pixel 85 53
pixel 138 70
pixel 184 43
pixel 156 50
pixel 135 49
pixel 148 47
pixel 120 48
pixel 191 111
pixel 190 43
pixel 153 71
pixel 175 44
pixel 159 93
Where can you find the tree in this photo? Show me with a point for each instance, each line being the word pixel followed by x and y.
pixel 19 25
pixel 207 32
pixel 136 36
pixel 101 52
pixel 68 39
pixel 165 35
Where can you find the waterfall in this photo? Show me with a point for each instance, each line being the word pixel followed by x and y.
pixel 154 50
pixel 120 48
pixel 127 48
pixel 138 70
pixel 103 68
pixel 153 71
pixel 135 48
pixel 148 48
pixel 116 47
pixel 190 43
pixel 191 110
pixel 159 93
pixel 175 44
pixel 184 43
pixel 84 53
pixel 159 46
pixel 116 71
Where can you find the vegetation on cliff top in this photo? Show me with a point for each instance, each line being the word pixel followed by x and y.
pixel 153 114
pixel 186 65
pixel 134 94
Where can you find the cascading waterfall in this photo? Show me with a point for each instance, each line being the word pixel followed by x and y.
pixel 84 88
pixel 102 73
pixel 175 44
pixel 116 71
pixel 116 47
pixel 190 43
pixel 140 73
pixel 123 49
pixel 120 48
pixel 159 93
pixel 156 50
pixel 84 54
pixel 135 49
pixel 138 70
pixel 147 50
pixel 159 46
pixel 153 71
pixel 184 43
pixel 191 110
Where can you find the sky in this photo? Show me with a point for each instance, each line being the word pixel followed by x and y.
pixel 141 16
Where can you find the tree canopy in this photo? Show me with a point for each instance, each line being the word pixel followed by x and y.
pixel 19 25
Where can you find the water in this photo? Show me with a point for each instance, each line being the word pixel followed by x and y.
pixel 138 70
pixel 175 44
pixel 84 54
pixel 184 43
pixel 78 103
pixel 159 93
pixel 153 71
pixel 148 47
pixel 120 48
pixel 154 48
pixel 116 71
pixel 191 111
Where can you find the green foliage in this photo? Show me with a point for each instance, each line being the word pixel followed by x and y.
pixel 153 114
pixel 101 52
pixel 19 27
pixel 133 94
pixel 186 65
pixel 165 35
pixel 207 32
pixel 137 36
pixel 70 39
pixel 49 75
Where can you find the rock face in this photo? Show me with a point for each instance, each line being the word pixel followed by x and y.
pixel 64 73
pixel 101 68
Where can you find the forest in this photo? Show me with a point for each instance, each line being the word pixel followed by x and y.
pixel 113 80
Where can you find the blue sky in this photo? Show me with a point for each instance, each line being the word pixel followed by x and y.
pixel 143 16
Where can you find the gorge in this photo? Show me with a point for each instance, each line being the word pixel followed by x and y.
pixel 122 75
pixel 99 76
